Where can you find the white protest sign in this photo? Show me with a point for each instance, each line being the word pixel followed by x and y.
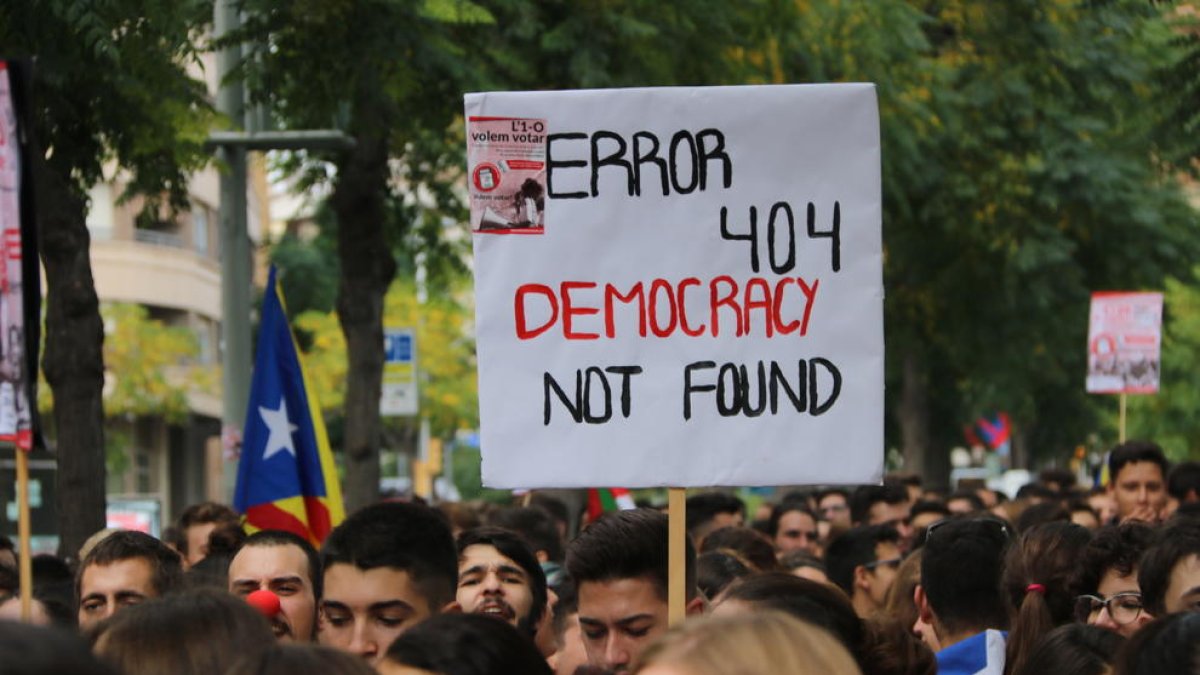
pixel 1124 338
pixel 698 299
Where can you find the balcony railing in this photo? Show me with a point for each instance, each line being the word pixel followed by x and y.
pixel 157 238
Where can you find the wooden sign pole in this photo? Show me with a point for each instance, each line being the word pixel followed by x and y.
pixel 677 568
pixel 1121 422
pixel 24 534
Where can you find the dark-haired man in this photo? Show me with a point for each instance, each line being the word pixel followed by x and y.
pixel 125 568
pixel 709 511
pixel 196 523
pixel 499 576
pixel 386 568
pixel 960 594
pixel 863 562
pixel 620 565
pixel 886 504
pixel 1137 472
pixel 288 566
pixel 793 527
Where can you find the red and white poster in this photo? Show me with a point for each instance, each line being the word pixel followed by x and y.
pixel 1124 340
pixel 15 416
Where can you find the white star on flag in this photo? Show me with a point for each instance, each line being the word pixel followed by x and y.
pixel 280 428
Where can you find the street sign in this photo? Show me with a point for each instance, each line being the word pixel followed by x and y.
pixel 399 372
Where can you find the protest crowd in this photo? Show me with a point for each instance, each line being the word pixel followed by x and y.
pixel 881 579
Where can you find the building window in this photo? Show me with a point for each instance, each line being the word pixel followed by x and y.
pixel 200 229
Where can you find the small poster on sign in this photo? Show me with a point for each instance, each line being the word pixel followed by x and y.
pixel 1124 338
pixel 506 157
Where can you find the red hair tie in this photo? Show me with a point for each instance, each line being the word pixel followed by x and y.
pixel 1036 588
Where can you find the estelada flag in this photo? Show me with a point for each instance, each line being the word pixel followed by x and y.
pixel 286 476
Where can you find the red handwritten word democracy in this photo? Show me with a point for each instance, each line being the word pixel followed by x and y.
pixel 661 307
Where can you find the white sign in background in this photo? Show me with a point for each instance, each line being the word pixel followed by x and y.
pixel 399 394
pixel 572 394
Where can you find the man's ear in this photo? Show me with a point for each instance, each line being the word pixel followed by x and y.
pixel 922 603
pixel 695 606
pixel 451 607
pixel 860 578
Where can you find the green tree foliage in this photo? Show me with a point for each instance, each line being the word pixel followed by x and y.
pixel 1038 186
pixel 445 357
pixel 110 86
pixel 1169 417
pixel 148 365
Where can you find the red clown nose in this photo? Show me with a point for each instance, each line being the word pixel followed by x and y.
pixel 266 602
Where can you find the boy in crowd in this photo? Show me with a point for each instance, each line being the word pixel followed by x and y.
pixel 386 568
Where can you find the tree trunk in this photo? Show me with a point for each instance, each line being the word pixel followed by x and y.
pixel 912 415
pixel 74 359
pixel 367 269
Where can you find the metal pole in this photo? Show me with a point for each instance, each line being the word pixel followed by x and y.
pixel 235 253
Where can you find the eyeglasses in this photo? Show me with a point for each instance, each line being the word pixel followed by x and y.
pixel 833 508
pixel 1122 607
pixel 893 563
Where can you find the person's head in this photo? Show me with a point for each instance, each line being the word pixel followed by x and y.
pixel 288 566
pixel 1170 644
pixel 386 568
pixel 1169 571
pixel 8 553
pixel 125 568
pixel 886 504
pixel 196 523
pixel 619 564
pixel 863 563
pixel 570 652
pixel 964 503
pixel 925 513
pixel 537 527
pixel 1102 502
pixel 213 570
pixel 899 605
pixel 463 644
pixel 758 644
pixel 810 601
pixel 1137 474
pixel 38 650
pixel 1038 572
pixel 715 570
pixel 1042 512
pixel 499 576
pixel 1073 649
pixel 710 511
pixel 793 527
pixel 1083 514
pixel 1058 480
pixel 804 565
pixel 557 509
pixel 751 545
pixel 961 564
pixel 1183 483
pixel 833 505
pixel 1036 493
pixel 198 631
pixel 300 659
pixel 1107 579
